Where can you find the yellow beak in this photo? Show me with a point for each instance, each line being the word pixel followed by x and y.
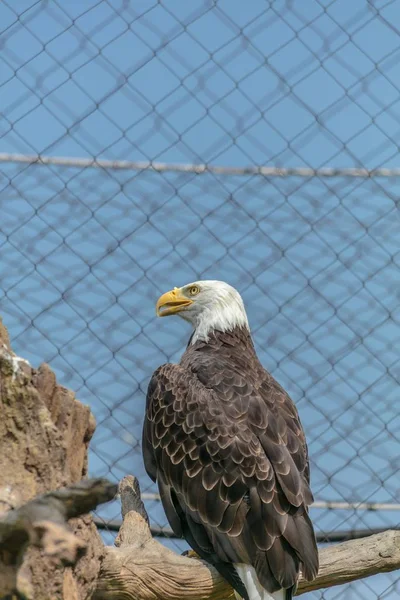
pixel 171 303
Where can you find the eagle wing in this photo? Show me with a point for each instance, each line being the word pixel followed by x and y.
pixel 230 459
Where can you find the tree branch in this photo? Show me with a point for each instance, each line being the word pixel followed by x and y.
pixel 140 567
pixel 42 523
pixel 356 559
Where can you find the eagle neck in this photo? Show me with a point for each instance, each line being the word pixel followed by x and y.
pixel 237 337
pixel 234 348
pixel 228 319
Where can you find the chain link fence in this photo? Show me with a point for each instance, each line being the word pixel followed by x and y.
pixel 147 144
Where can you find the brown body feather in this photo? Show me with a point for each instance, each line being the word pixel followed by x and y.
pixel 225 444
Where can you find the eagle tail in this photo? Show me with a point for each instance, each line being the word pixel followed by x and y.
pixel 254 589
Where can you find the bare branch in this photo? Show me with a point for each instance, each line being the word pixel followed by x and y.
pixel 356 559
pixel 142 568
pixel 42 523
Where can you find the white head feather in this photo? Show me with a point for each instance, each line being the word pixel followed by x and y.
pixel 217 306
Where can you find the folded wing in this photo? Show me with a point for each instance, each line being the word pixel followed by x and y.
pixel 231 462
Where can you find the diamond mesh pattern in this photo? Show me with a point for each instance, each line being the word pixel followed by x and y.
pixel 197 96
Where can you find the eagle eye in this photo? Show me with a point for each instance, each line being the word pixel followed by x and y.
pixel 193 290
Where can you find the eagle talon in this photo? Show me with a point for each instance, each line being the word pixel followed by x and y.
pixel 191 554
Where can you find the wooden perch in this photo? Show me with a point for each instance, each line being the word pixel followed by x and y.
pixel 140 567
pixel 42 523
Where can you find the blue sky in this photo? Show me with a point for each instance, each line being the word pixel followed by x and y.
pixel 86 252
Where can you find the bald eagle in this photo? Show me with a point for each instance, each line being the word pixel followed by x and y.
pixel 225 445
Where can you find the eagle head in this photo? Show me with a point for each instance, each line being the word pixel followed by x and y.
pixel 207 305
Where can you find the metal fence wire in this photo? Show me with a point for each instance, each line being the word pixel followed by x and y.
pixel 148 144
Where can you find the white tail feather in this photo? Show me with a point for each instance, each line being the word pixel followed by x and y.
pixel 254 589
